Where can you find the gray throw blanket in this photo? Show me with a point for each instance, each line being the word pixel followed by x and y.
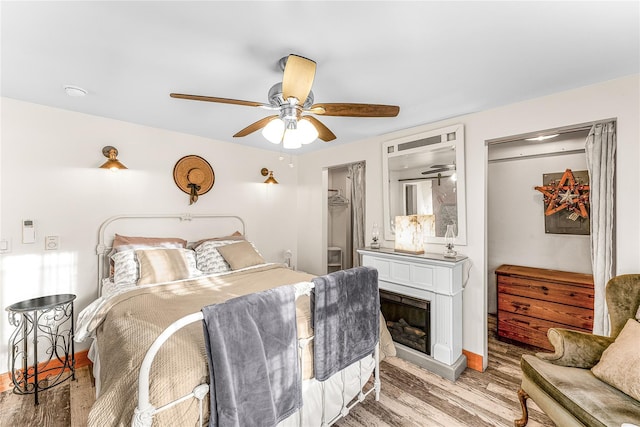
pixel 253 359
pixel 345 309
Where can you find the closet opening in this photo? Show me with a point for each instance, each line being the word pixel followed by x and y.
pixel 538 222
pixel 345 219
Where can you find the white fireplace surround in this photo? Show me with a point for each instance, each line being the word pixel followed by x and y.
pixel 434 278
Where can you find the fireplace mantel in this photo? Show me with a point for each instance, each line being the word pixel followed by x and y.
pixel 434 278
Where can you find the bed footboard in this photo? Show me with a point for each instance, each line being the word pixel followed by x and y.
pixel 145 411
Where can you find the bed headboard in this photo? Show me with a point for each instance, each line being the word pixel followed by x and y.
pixel 191 227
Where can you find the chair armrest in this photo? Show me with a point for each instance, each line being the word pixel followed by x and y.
pixel 575 349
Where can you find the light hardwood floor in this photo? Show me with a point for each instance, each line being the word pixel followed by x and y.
pixel 410 396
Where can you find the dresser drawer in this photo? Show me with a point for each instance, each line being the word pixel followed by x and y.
pixel 532 300
pixel 579 296
pixel 561 315
pixel 524 329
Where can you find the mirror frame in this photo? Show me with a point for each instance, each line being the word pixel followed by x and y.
pixel 449 136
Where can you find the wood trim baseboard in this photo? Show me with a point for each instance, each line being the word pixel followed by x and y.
pixel 82 359
pixel 474 361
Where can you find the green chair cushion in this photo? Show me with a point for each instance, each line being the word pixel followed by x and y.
pixel 593 402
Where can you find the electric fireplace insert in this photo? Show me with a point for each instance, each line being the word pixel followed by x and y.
pixel 408 320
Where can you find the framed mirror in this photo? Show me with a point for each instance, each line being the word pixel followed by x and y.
pixel 424 174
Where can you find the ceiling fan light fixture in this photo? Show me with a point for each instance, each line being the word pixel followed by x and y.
pixel 291 140
pixel 292 134
pixel 308 132
pixel 273 131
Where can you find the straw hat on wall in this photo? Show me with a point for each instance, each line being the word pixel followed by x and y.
pixel 193 175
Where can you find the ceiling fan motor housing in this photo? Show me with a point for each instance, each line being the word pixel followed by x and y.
pixel 277 100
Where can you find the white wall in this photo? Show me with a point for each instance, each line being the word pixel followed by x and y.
pixel 515 217
pixel 613 99
pixel 49 173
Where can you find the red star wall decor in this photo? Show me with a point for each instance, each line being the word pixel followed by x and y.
pixel 567 193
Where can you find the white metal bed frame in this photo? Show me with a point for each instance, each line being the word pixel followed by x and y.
pixel 103 249
pixel 145 411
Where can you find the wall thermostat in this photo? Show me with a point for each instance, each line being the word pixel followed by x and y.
pixel 28 231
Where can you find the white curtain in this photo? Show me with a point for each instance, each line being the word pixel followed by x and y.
pixel 600 148
pixel 356 174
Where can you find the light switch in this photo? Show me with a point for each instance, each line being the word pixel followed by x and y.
pixel 51 243
pixel 5 246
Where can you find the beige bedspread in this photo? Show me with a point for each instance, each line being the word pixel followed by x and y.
pixel 130 322
pixel 127 324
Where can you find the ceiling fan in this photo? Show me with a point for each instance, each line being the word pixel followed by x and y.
pixel 439 169
pixel 293 100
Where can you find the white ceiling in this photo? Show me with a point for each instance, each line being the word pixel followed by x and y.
pixel 433 59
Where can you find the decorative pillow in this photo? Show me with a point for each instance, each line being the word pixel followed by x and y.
pixel 619 365
pixel 165 265
pixel 235 236
pixel 123 243
pixel 386 341
pixel 125 268
pixel 240 255
pixel 209 260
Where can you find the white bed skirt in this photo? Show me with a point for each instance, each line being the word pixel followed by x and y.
pixel 347 383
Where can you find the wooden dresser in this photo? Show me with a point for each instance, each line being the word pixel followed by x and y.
pixel 532 300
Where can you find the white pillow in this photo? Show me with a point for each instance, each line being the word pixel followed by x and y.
pixel 209 260
pixel 125 268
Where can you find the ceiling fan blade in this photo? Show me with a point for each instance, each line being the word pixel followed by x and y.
pixel 214 99
pixel 355 110
pixel 297 80
pixel 429 172
pixel 323 132
pixel 255 126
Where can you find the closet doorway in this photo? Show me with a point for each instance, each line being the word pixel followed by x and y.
pixel 536 182
pixel 515 210
pixel 345 216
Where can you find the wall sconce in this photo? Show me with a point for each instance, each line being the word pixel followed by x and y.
pixel 113 163
pixel 271 179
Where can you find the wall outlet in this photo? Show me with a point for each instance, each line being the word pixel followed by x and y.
pixel 287 257
pixel 51 243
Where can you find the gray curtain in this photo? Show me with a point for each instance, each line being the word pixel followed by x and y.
pixel 600 148
pixel 356 174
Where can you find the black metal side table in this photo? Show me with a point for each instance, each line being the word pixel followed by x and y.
pixel 49 322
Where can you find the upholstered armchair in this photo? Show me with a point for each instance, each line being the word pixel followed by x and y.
pixel 590 380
